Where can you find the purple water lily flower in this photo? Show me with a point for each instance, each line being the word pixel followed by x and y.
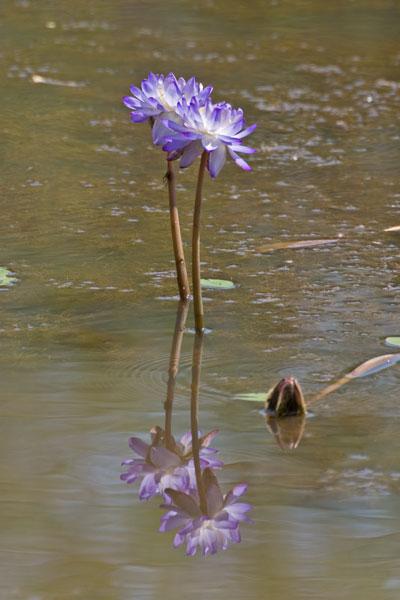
pixel 213 531
pixel 216 128
pixel 158 98
pixel 160 468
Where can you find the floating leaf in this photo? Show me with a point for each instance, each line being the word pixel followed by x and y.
pixel 217 284
pixel 395 228
pixel 374 365
pixel 6 277
pixel 296 245
pixel 393 341
pixel 371 366
pixel 252 397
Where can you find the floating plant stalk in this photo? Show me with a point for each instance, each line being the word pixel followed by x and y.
pixel 197 298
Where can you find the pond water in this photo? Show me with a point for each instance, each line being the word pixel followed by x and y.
pixel 87 329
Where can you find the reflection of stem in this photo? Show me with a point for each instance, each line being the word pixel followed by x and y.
pixel 198 302
pixel 194 402
pixel 175 356
pixel 181 272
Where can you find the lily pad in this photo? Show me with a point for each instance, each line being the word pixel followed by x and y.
pixel 297 245
pixel 217 284
pixel 374 365
pixel 252 397
pixel 7 278
pixel 393 341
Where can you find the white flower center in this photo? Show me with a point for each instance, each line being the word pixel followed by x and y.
pixel 162 97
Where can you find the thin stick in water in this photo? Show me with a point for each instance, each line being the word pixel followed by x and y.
pixel 181 271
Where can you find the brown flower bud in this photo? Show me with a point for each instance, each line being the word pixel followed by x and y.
pixel 286 399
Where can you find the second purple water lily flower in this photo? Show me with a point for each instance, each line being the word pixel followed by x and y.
pixel 215 128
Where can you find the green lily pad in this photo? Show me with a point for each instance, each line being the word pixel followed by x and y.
pixel 6 277
pixel 393 341
pixel 252 397
pixel 217 284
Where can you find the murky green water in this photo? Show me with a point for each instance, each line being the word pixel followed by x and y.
pixel 87 330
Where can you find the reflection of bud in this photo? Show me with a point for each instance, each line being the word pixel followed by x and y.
pixel 286 399
pixel 288 432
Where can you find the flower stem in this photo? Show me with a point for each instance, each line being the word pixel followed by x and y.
pixel 174 360
pixel 181 271
pixel 194 425
pixel 198 301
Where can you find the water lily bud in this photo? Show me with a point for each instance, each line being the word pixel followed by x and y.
pixel 286 399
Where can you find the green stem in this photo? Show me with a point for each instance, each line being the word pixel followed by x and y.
pixel 181 271
pixel 194 425
pixel 197 299
pixel 174 360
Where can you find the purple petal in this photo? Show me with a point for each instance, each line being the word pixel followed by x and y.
pixel 139 446
pixel 147 87
pixel 214 496
pixel 159 131
pixel 174 145
pixel 129 477
pixel 216 160
pixel 130 102
pixel 175 126
pixel 185 502
pixel 246 131
pixel 190 153
pixel 178 540
pixel 208 438
pixel 191 547
pixel 235 535
pixel 136 91
pixel 138 117
pixel 243 149
pixel 163 458
pixel 205 93
pixel 239 161
pixel 238 511
pixel 148 487
pixel 240 489
pixel 186 441
pixel 235 493
pixel 173 522
pixel 224 523
pixel 179 479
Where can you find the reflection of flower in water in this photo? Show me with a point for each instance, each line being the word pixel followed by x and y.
pixel 213 531
pixel 161 468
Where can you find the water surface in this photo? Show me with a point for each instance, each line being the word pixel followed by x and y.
pixel 87 330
